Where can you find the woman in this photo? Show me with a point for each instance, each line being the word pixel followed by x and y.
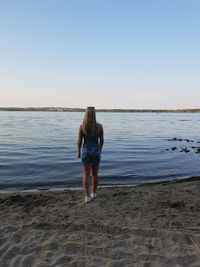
pixel 92 133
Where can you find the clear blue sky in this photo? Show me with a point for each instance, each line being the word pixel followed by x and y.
pixel 106 53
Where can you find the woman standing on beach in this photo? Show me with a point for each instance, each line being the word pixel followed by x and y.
pixel 92 133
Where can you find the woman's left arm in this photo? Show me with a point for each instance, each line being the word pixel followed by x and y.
pixel 79 141
pixel 101 137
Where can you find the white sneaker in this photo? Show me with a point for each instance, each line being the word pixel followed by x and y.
pixel 88 199
pixel 93 195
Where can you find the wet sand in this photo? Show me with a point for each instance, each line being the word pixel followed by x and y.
pixel 149 225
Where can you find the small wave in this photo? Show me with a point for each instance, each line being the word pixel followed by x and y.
pixel 105 181
pixel 40 185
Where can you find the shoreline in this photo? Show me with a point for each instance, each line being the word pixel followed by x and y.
pixel 80 188
pixel 145 225
pixel 114 110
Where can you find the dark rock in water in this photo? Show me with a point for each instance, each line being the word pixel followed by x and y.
pixel 188 140
pixel 194 147
pixel 173 139
pixel 167 149
pixel 198 142
pixel 174 148
pixel 185 149
pixel 181 139
pixel 198 150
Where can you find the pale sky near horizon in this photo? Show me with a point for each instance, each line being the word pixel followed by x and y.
pixel 108 53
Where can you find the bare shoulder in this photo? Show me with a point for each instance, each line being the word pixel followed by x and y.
pixel 99 125
pixel 80 128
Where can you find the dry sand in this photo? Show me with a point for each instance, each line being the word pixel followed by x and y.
pixel 152 225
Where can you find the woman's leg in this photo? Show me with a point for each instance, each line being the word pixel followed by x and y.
pixel 86 179
pixel 95 178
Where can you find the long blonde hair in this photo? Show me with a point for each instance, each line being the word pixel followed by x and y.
pixel 89 122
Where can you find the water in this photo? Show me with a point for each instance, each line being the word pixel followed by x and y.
pixel 38 149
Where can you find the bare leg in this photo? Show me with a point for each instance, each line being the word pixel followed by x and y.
pixel 95 178
pixel 86 180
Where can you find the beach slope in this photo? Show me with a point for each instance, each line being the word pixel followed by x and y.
pixel 150 225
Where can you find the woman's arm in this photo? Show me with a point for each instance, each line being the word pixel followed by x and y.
pixel 79 141
pixel 101 137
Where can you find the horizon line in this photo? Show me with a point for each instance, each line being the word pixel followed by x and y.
pixel 52 108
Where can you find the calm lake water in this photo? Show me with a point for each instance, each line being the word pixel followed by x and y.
pixel 38 149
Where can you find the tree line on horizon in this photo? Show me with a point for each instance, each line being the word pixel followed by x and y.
pixel 60 109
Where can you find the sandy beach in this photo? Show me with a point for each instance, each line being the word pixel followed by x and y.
pixel 150 225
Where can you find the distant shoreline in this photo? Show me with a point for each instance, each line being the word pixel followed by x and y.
pixel 60 109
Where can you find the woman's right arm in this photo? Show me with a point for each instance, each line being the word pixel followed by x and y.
pixel 79 141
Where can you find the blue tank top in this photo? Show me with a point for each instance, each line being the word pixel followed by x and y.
pixel 90 150
pixel 91 143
